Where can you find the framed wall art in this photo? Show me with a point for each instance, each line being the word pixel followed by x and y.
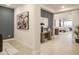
pixel 23 21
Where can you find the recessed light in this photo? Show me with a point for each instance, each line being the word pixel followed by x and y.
pixel 8 4
pixel 62 6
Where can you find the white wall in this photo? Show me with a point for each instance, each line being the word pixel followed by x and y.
pixel 31 37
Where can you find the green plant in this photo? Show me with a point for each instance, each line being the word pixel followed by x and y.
pixel 77 32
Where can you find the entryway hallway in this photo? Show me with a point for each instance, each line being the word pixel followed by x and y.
pixel 61 45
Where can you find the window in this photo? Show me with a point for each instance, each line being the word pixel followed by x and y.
pixel 65 23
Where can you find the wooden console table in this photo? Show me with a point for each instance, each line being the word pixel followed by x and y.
pixel 45 35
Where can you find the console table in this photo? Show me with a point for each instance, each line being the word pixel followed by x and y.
pixel 45 35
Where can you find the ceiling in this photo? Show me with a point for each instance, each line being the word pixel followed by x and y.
pixel 55 7
pixel 58 7
pixel 12 6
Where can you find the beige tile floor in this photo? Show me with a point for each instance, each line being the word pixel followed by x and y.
pixel 60 45
pixel 13 47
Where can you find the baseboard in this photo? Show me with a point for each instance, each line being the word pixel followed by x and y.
pixel 9 39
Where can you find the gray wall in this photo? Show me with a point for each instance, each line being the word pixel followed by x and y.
pixel 6 22
pixel 48 15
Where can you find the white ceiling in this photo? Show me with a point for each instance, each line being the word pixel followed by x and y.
pixel 13 6
pixel 58 7
pixel 55 7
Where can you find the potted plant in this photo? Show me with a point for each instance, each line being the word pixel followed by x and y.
pixel 77 34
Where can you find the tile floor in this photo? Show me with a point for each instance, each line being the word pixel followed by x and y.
pixel 13 47
pixel 60 45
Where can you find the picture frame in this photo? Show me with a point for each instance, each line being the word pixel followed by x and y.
pixel 23 21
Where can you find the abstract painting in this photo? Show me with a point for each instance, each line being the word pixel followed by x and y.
pixel 23 21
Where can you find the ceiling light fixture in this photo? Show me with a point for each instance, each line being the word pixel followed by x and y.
pixel 8 4
pixel 62 6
